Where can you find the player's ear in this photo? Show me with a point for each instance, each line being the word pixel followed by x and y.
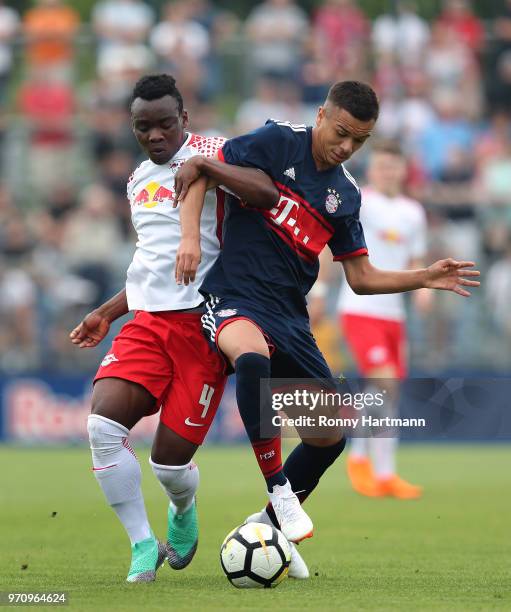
pixel 320 115
pixel 185 118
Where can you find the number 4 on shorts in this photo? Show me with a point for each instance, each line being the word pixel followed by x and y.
pixel 205 399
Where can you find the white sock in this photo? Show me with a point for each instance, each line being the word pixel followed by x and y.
pixel 383 453
pixel 118 473
pixel 180 482
pixel 359 448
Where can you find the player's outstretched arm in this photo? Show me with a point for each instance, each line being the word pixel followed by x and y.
pixel 446 274
pixel 189 253
pixel 96 324
pixel 251 185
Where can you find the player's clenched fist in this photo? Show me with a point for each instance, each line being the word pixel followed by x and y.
pixel 91 330
pixel 187 261
pixel 450 274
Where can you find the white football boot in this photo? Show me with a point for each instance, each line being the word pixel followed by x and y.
pixel 297 567
pixel 294 522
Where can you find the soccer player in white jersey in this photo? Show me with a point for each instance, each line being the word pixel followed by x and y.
pixel 374 325
pixel 160 360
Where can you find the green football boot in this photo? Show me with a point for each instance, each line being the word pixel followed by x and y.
pixel 146 557
pixel 182 536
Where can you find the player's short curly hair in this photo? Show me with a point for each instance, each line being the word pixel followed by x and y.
pixel 155 86
pixel 355 97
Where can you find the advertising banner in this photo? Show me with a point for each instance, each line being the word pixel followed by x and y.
pixel 53 409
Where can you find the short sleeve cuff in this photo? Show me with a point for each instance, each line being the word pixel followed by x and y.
pixel 356 253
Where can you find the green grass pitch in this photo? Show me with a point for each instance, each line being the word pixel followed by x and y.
pixel 449 551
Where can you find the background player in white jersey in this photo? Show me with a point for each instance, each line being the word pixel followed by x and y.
pixel 160 360
pixel 374 325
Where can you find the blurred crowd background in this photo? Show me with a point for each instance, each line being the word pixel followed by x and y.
pixel 442 70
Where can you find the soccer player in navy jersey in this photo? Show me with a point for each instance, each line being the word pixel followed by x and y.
pixel 256 310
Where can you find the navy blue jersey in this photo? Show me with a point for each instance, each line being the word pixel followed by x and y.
pixel 270 257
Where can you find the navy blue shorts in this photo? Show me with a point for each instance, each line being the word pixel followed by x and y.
pixel 293 349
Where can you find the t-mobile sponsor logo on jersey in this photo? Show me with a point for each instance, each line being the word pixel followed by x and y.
pixel 285 214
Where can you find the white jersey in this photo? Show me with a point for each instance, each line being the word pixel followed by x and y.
pixel 395 232
pixel 150 283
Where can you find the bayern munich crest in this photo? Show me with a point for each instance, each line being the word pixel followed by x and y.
pixel 333 201
pixel 226 312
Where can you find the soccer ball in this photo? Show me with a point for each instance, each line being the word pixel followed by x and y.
pixel 255 555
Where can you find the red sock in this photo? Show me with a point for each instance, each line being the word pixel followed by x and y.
pixel 269 457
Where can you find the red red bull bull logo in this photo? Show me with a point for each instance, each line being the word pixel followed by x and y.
pixel 152 195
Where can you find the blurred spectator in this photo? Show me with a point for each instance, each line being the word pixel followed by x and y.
pixel 502 25
pixel 342 30
pixel 7 209
pixel 495 194
pixel 205 119
pixel 48 106
pixel 500 82
pixel 452 203
pixel 416 113
pixel 92 240
pixel 122 27
pixel 388 77
pixel 498 291
pixel 17 291
pixel 449 64
pixel 49 29
pixel 122 65
pixel 121 22
pixel 114 166
pixel 222 27
pixel 273 99
pixel 18 335
pixel 9 24
pixel 17 242
pixel 404 35
pixel 447 135
pixel 407 117
pixel 178 37
pixel 62 202
pixel 182 46
pixel 494 137
pixel 316 75
pixel 276 29
pixel 110 127
pixel 220 23
pixel 458 17
pixel 498 63
pixel 58 287
pixel 265 104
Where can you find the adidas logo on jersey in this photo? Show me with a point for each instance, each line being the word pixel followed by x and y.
pixel 291 173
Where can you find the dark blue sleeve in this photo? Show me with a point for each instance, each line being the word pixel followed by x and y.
pixel 266 148
pixel 348 238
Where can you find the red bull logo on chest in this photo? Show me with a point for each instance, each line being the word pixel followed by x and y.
pixel 152 195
